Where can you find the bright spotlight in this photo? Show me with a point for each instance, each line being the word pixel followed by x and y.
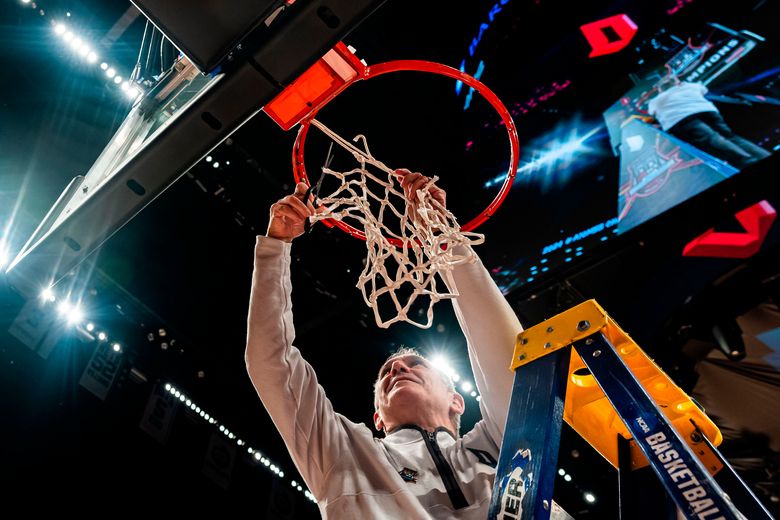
pixel 257 455
pixel 473 394
pixel 168 387
pixel 133 92
pixel 76 43
pixel 63 308
pixel 589 498
pixel 117 347
pixel 443 364
pixel 102 336
pixel 104 66
pixel 215 165
pixel 25 1
pixel 467 387
pixel 47 295
pixel 561 472
pixel 67 36
pixel 92 57
pixel 90 327
pixel 59 29
pixel 117 79
pixel 75 315
pixel 208 158
pixel 84 51
pixel 567 477
pixel 110 72
pixel 125 86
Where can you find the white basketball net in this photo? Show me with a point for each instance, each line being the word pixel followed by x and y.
pixel 431 237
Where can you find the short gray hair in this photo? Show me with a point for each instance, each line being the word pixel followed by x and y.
pixel 403 350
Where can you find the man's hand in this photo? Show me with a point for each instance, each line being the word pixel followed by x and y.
pixel 411 182
pixel 289 215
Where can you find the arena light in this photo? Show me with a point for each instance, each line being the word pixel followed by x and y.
pixel 102 336
pixel 589 497
pixel 63 308
pixel 467 387
pixel 110 72
pixel 117 347
pixel 76 43
pixel 117 79
pixel 104 66
pixel 59 29
pixel 567 477
pixel 440 362
pixel 75 315
pixel 67 36
pixel 561 472
pixel 132 92
pixel 90 327
pixel 92 57
pixel 47 295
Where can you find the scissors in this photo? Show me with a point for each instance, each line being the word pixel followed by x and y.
pixel 314 191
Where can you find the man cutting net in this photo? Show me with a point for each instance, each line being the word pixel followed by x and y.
pixel 422 468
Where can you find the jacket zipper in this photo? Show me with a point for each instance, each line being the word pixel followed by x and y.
pixel 445 471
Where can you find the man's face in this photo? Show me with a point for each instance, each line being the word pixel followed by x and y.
pixel 411 391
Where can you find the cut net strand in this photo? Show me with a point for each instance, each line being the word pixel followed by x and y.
pixel 430 241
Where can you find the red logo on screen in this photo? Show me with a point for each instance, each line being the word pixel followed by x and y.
pixel 609 35
pixel 757 219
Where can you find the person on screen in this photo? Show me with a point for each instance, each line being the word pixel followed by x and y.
pixel 682 110
pixel 422 468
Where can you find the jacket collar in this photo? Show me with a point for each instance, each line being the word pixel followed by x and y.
pixel 407 433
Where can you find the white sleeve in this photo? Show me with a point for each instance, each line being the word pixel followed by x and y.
pixel 491 327
pixel 285 382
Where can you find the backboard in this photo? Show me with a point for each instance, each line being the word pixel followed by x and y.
pixel 173 126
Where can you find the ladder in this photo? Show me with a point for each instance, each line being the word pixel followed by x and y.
pixel 579 366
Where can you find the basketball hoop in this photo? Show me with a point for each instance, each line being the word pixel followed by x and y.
pixel 427 244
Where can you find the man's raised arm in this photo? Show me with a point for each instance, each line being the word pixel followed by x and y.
pixel 285 382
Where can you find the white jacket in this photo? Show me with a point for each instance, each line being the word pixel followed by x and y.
pixel 410 474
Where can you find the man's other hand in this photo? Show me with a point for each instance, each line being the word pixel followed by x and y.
pixel 411 182
pixel 289 215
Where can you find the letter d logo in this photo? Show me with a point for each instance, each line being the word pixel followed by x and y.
pixel 609 35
